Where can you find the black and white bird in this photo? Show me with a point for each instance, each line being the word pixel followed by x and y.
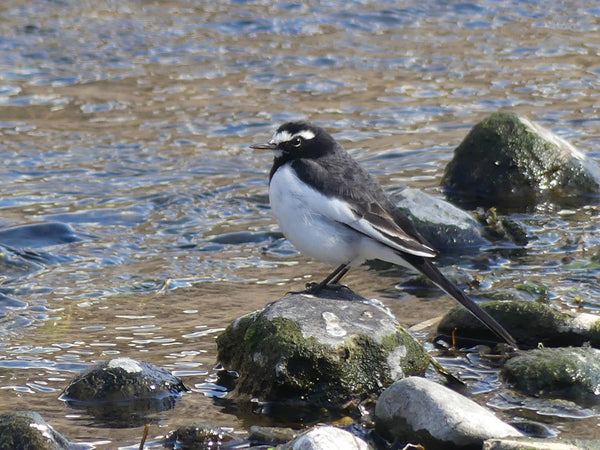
pixel 331 209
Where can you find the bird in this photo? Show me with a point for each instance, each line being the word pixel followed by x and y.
pixel 331 209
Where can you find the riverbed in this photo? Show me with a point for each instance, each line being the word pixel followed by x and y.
pixel 126 124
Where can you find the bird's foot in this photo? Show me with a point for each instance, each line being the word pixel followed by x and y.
pixel 314 288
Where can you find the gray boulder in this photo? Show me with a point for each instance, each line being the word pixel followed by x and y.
pixel 508 160
pixel 421 411
pixel 320 351
pixel 442 224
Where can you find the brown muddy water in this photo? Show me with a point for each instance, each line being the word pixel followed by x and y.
pixel 129 121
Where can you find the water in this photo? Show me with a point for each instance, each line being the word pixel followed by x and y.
pixel 126 124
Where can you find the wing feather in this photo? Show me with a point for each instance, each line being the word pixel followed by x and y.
pixel 374 221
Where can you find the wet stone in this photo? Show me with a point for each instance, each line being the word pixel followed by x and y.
pixel 318 351
pixel 28 430
pixel 568 372
pixel 531 323
pixel 40 235
pixel 418 410
pixel 539 444
pixel 201 436
pixel 271 435
pixel 123 389
pixel 445 226
pixel 326 438
pixel 507 159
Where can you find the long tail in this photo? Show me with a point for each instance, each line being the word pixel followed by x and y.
pixel 427 268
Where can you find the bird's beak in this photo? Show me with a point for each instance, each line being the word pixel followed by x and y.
pixel 265 146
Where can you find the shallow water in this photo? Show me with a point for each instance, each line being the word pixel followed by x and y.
pixel 126 124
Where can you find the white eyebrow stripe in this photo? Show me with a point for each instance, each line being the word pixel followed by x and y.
pixel 286 136
pixel 282 136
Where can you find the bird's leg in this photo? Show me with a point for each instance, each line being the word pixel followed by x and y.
pixel 336 275
pixel 340 276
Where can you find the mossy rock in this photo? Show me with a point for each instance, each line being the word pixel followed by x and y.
pixel 319 351
pixel 508 160
pixel 28 430
pixel 123 391
pixel 530 323
pixel 567 372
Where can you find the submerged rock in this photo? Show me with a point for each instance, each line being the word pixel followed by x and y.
pixel 318 351
pixel 421 411
pixel 530 323
pixel 123 389
pixel 443 225
pixel 201 436
pixel 567 372
pixel 526 443
pixel 326 438
pixel 28 430
pixel 40 235
pixel 508 160
pixel 270 435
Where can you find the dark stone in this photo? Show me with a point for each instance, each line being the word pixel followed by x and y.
pixel 530 323
pixel 318 351
pixel 528 443
pixel 567 372
pixel 28 430
pixel 271 435
pixel 508 160
pixel 201 436
pixel 123 391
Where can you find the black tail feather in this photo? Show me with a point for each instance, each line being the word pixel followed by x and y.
pixel 427 268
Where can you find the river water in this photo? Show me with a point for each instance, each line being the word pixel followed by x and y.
pixel 126 124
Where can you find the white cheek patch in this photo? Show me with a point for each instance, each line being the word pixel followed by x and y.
pixel 286 136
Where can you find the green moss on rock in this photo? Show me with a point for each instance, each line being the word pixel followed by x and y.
pixel 531 323
pixel 28 430
pixel 506 159
pixel 566 372
pixel 277 360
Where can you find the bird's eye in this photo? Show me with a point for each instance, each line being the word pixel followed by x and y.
pixel 297 142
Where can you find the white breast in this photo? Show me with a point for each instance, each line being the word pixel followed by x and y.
pixel 311 221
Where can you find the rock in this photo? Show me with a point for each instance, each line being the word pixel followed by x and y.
pixel 421 411
pixel 539 444
pixel 531 323
pixel 319 351
pixel 567 372
pixel 123 389
pixel 201 436
pixel 28 430
pixel 442 224
pixel 270 435
pixel 326 438
pixel 508 160
pixel 39 235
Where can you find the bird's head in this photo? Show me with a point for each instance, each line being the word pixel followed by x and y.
pixel 294 140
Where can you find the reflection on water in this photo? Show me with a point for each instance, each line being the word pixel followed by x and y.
pixel 135 221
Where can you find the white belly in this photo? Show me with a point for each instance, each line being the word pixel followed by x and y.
pixel 302 217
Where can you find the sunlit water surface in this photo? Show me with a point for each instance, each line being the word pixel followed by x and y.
pixel 126 123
